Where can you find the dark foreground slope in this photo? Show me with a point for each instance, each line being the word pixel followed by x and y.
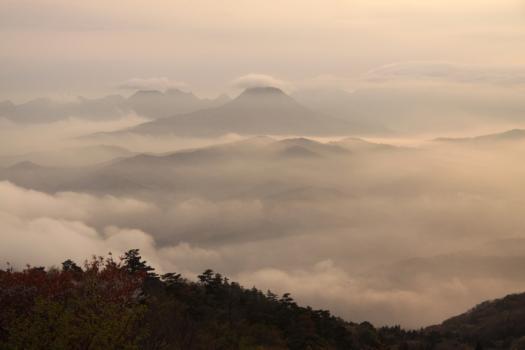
pixel 497 324
pixel 123 304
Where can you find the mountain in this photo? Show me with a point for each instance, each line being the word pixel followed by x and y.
pixel 6 107
pixel 253 150
pixel 74 156
pixel 43 110
pixel 262 110
pixel 185 170
pixel 156 104
pixel 51 179
pixel 305 148
pixel 357 144
pixel 496 324
pixel 510 135
pixel 152 104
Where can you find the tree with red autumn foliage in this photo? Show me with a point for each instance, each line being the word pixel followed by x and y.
pixel 71 308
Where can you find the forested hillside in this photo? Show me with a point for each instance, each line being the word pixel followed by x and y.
pixel 123 304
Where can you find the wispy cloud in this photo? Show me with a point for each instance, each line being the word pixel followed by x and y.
pixel 450 72
pixel 252 80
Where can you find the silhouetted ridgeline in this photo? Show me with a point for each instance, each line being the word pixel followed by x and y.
pixel 123 304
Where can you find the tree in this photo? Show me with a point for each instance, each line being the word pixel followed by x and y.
pixel 71 308
pixel 133 263
pixel 70 266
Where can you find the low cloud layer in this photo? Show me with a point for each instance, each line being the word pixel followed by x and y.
pixel 43 229
pixel 18 139
pixel 371 232
pixel 54 228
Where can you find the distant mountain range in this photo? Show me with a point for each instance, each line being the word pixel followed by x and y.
pixel 156 104
pixel 73 156
pixel 510 135
pixel 262 110
pixel 256 111
pixel 369 110
pixel 43 110
pixel 152 104
pixel 128 172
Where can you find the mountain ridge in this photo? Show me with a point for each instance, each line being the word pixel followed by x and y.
pixel 263 110
pixel 508 135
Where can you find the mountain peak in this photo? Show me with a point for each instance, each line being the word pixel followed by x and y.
pixel 25 165
pixel 263 91
pixel 514 133
pixel 222 98
pixel 266 95
pixel 150 93
pixel 177 92
pixel 6 107
pixel 6 103
pixel 509 135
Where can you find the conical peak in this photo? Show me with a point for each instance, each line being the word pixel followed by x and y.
pixel 264 91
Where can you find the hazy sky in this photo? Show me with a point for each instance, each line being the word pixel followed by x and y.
pixel 90 47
